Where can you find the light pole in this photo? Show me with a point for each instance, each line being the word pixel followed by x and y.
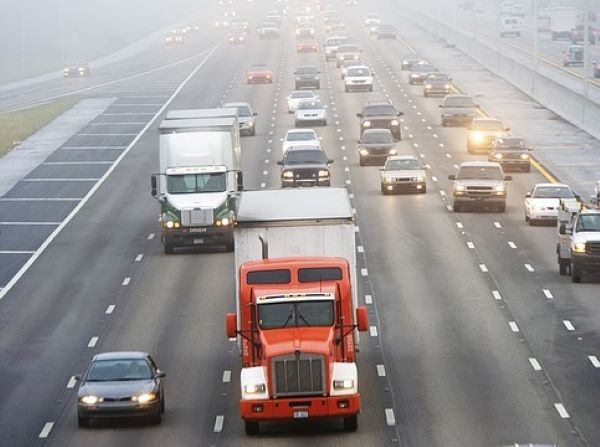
pixel 586 51
pixel 22 35
pixel 535 43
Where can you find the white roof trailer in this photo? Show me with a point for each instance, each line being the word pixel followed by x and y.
pixel 186 114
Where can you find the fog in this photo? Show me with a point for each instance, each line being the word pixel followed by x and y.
pixel 38 36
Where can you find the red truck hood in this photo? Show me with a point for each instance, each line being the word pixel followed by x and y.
pixel 318 340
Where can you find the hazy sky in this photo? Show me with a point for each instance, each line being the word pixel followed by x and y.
pixel 36 33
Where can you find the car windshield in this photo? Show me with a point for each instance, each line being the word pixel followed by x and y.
pixel 296 314
pixel 307 70
pixel 459 102
pixel 348 49
pixel 479 173
pixel 197 183
pixel 590 222
pixel 411 57
pixel 488 125
pixel 310 105
pixel 241 110
pixel 301 136
pixel 297 95
pixel 358 71
pixel 553 192
pixel 511 144
pixel 438 77
pixel 402 165
pixel 377 138
pixel 422 68
pixel 119 370
pixel 302 156
pixel 335 41
pixel 384 109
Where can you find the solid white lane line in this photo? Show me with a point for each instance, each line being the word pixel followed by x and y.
pixel 511 244
pixel 46 430
pixel 497 224
pixel 535 364
pixel 381 370
pixel 53 224
pixel 373 331
pixel 529 268
pixel 226 376
pixel 496 295
pixel 92 343
pixel 569 325
pixel 459 225
pixel 17 252
pixel 62 179
pixel 483 268
pixel 390 418
pixel 219 423
pixel 470 245
pixel 561 410
pixel 594 360
pixel 369 299
pixel 40 199
pixel 139 257
pixel 71 383
pixel 548 294
pixel 151 236
pixel 356 229
pixel 110 309
pixel 364 272
pixel 513 326
pixel 126 281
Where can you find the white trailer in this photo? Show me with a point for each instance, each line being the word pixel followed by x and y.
pixel 563 19
pixel 296 222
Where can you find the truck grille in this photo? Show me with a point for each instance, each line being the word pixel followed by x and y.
pixel 593 248
pixel 381 124
pixel 479 191
pixel 306 174
pixel 191 218
pixel 298 375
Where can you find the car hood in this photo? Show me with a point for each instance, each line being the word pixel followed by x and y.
pixel 454 110
pixel 310 111
pixel 380 118
pixel 199 200
pixel 305 166
pixel 404 173
pixel 586 236
pixel 358 78
pixel 551 202
pixel 376 145
pixel 479 182
pixel 117 389
pixel 289 144
pixel 276 342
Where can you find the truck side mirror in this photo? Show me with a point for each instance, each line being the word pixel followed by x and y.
pixel 359 115
pixel 507 178
pixel 527 194
pixel 153 185
pixel 254 113
pixel 362 319
pixel 400 113
pixel 280 162
pixel 329 161
pixel 240 181
pixel 160 374
pixel 562 229
pixel 231 325
pixel 78 377
pixel 452 177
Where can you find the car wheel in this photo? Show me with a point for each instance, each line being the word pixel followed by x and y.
pixel 575 273
pixel 295 123
pixel 83 422
pixel 443 123
pixel 168 249
pixel 253 132
pixel 424 190
pixel 563 266
pixel 528 169
pixel 526 218
pixel 371 88
pixel 383 190
pixel 531 222
pixel 361 161
pixel 457 207
pixel 251 428
pixel 324 122
pixel 157 418
pixel 351 423
pixel 502 208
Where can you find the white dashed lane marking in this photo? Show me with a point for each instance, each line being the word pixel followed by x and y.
pixel 390 418
pixel 46 430
pixel 497 224
pixel 561 410
pixel 569 325
pixel 594 360
pixel 511 244
pixel 373 331
pixel 139 257
pixel 126 281
pixel 369 299
pixel 470 245
pixel 364 272
pixel 513 326
pixel 92 343
pixel 535 364
pixel 226 376
pixel 548 294
pixel 529 268
pixel 110 309
pixel 483 268
pixel 381 370
pixel 151 236
pixel 71 383
pixel 496 295
pixel 219 424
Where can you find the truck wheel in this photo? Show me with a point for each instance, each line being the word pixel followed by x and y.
pixel 251 428
pixel 576 274
pixel 502 208
pixel 351 423
pixel 457 208
pixel 527 218
pixel 563 266
pixel 168 249
pixel 229 246
pixel 83 422
pixel 253 132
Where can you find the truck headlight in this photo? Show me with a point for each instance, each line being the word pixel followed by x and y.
pixel 579 247
pixel 364 152
pixel 172 224
pixel 90 400
pixel 498 156
pixel 255 388
pixel 366 123
pixel 525 156
pixel 418 178
pixel 144 398
pixel 288 174
pixel 447 86
pixel 460 188
pixel 477 137
pixel 393 152
pixel 427 86
pixel 346 384
pixel 395 123
pixel 499 188
pixel 324 173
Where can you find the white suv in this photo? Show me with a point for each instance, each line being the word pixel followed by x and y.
pixel 358 77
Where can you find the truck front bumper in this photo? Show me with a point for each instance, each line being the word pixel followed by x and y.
pixel 197 236
pixel 300 408
pixel 586 262
pixel 480 201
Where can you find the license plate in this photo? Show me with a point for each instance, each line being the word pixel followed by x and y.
pixel 300 414
pixel 198 241
pixel 198 230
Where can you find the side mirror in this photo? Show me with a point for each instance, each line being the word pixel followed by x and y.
pixel 452 177
pixel 527 194
pixel 507 129
pixel 577 197
pixel 441 106
pixel 562 229
pixel 160 374
pixel 507 178
pixel 153 185
pixel 400 113
pixel 231 325
pixel 329 161
pixel 240 181
pixel 362 319
pixel 280 162
pixel 254 114
pixel 78 377
pixel 359 115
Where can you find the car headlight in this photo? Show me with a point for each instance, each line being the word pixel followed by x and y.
pixel 323 173
pixel 447 86
pixel 498 156
pixel 356 57
pixel 367 123
pixel 255 388
pixel 364 152
pixel 427 86
pixel 525 156
pixel 579 247
pixel 395 123
pixel 414 75
pixel 316 78
pixel 477 137
pixel 288 174
pixel 144 398
pixel 346 384
pixel 250 77
pixel 231 39
pixel 66 70
pixel 393 152
pixel 418 178
pixel 499 188
pixel 223 222
pixel 90 400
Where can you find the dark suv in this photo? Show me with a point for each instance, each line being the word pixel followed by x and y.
pixel 305 166
pixel 380 115
pixel 511 153
pixel 307 77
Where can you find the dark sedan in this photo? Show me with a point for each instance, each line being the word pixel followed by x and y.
pixel 307 77
pixel 408 60
pixel 305 166
pixel 511 153
pixel 419 72
pixel 376 145
pixel 121 385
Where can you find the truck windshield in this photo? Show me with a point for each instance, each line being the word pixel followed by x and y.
pixel 195 183
pixel 479 173
pixel 296 314
pixel 553 192
pixel 588 222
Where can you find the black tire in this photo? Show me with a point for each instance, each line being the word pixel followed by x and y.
pixel 502 208
pixel 83 422
pixel 527 218
pixel 229 246
pixel 168 249
pixel 575 274
pixel 346 89
pixel 351 423
pixel 371 88
pixel 424 190
pixel 457 208
pixel 361 161
pixel 563 266
pixel 157 418
pixel 251 428
pixel 383 190
pixel 444 124
pixel 253 132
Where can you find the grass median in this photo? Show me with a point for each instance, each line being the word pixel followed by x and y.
pixel 17 126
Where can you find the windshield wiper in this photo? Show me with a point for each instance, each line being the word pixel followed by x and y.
pixel 289 318
pixel 301 317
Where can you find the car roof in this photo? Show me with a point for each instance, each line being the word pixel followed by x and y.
pixel 381 102
pixel 480 164
pixel 305 147
pixel 370 131
pixel 542 185
pixel 300 131
pixel 360 66
pixel 236 104
pixel 121 355
pixel 402 157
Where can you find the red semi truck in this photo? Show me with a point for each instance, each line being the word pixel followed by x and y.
pixel 297 323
